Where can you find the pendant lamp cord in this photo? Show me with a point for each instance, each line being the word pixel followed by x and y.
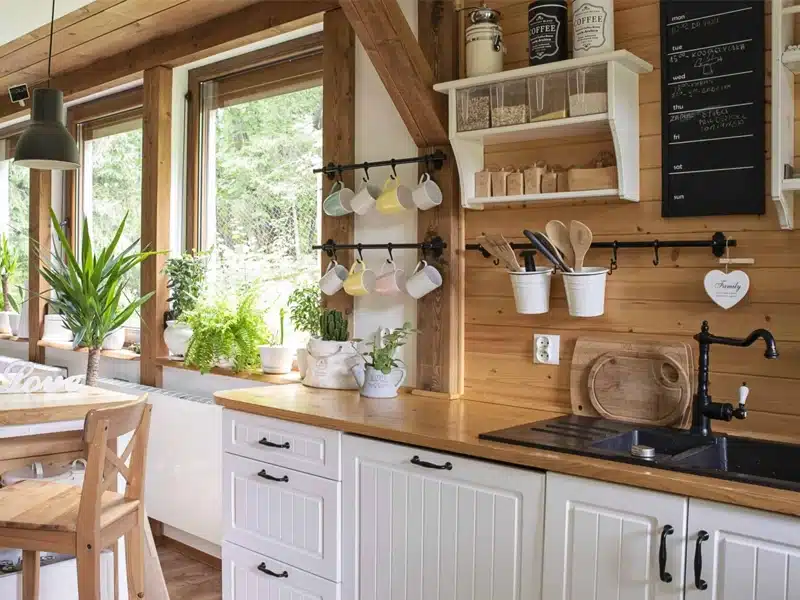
pixel 50 53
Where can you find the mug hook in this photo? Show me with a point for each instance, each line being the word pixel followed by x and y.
pixel 389 248
pixel 339 170
pixel 614 248
pixel 394 169
pixel 360 255
pixel 655 253
pixel 365 166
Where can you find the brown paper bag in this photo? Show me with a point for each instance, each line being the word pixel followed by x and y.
pixel 549 182
pixel 499 182
pixel 483 184
pixel 515 184
pixel 533 178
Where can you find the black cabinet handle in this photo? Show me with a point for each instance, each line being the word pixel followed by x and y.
pixel 263 568
pixel 268 444
pixel 263 474
pixel 448 466
pixel 700 584
pixel 662 554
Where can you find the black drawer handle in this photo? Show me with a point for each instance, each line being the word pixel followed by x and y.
pixel 263 474
pixel 268 444
pixel 700 584
pixel 662 554
pixel 263 568
pixel 448 466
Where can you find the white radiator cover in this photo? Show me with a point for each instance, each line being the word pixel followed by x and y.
pixel 184 461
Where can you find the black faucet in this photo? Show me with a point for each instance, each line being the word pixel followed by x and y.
pixel 703 409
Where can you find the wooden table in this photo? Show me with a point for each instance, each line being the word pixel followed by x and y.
pixel 49 428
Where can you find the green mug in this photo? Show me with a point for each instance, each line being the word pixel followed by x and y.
pixel 337 204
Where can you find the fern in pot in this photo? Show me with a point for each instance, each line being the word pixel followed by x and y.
pixel 330 355
pixel 304 310
pixel 9 263
pixel 88 288
pixel 186 275
pixel 381 374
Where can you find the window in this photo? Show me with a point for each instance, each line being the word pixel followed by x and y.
pixel 258 201
pixel 14 201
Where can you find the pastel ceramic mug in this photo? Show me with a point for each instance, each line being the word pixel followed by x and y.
pixel 337 204
pixel 360 281
pixel 395 198
pixel 334 278
pixel 391 280
pixel 365 198
pixel 427 194
pixel 423 280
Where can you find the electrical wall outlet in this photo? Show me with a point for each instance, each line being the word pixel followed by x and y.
pixel 546 348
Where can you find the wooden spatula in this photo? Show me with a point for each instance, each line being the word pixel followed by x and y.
pixel 581 237
pixel 558 234
pixel 498 246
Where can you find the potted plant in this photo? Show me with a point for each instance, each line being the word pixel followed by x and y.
pixel 330 356
pixel 277 359
pixel 89 288
pixel 9 261
pixel 186 275
pixel 304 310
pixel 381 373
pixel 225 334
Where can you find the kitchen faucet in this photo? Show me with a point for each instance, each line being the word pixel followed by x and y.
pixel 703 409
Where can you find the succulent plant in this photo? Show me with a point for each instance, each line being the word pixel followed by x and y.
pixel 333 326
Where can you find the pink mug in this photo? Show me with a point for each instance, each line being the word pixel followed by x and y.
pixel 391 280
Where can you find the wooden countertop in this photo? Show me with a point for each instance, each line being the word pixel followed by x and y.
pixel 454 425
pixel 28 409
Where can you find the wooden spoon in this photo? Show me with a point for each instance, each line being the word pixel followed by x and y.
pixel 581 237
pixel 559 236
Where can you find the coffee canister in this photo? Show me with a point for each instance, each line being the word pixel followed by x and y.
pixel 592 27
pixel 484 42
pixel 547 31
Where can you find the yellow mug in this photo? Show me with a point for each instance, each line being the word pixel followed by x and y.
pixel 360 281
pixel 395 198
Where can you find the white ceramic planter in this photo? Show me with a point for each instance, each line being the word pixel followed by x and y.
pixel 19 323
pixel 5 321
pixel 276 359
pixel 56 330
pixel 177 336
pixel 115 340
pixel 329 365
pixel 375 384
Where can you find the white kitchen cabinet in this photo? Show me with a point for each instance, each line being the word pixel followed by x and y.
pixel 746 554
pixel 430 526
pixel 603 540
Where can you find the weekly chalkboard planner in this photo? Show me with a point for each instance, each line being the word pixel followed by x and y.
pixel 712 108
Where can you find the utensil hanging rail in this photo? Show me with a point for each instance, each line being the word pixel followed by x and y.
pixel 435 246
pixel 435 161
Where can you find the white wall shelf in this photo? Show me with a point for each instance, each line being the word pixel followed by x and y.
pixel 621 121
pixel 784 66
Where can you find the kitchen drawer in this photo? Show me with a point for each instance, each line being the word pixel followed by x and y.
pixel 300 447
pixel 290 516
pixel 244 578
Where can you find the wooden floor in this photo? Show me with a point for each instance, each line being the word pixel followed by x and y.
pixel 188 579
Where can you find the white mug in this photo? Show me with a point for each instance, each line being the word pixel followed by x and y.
pixel 427 194
pixel 334 277
pixel 391 281
pixel 423 280
pixel 365 198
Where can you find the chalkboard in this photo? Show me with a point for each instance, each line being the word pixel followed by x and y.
pixel 712 108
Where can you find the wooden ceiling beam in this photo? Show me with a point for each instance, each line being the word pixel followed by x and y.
pixel 400 62
pixel 250 24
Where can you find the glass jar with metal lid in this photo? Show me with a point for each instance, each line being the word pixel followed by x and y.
pixel 484 42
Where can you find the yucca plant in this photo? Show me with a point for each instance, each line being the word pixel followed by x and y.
pixel 9 262
pixel 89 288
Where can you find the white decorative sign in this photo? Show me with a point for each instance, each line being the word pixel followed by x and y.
pixel 18 378
pixel 727 289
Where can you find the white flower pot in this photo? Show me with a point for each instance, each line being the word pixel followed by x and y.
pixel 177 336
pixel 115 340
pixel 56 330
pixel 329 365
pixel 375 384
pixel 302 361
pixel 19 323
pixel 276 359
pixel 5 321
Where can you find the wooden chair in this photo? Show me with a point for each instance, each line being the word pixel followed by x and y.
pixel 38 516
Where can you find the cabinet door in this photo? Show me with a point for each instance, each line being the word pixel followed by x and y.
pixel 411 530
pixel 749 555
pixel 603 540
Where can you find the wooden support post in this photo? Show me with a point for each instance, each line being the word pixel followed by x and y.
pixel 38 244
pixel 440 348
pixel 338 141
pixel 156 181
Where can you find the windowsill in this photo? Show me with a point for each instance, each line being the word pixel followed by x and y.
pixel 293 377
pixel 12 338
pixel 117 354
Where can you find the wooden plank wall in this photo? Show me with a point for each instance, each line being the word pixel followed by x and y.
pixel 664 302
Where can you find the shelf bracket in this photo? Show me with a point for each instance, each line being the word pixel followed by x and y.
pixel 784 203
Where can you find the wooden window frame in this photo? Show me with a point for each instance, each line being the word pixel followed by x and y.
pixel 292 65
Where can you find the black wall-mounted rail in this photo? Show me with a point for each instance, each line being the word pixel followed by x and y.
pixel 433 161
pixel 434 246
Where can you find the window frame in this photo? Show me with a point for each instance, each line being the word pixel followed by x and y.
pixel 281 68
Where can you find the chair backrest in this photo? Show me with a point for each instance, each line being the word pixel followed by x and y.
pixel 103 463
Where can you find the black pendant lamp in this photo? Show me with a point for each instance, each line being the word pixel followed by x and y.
pixel 46 144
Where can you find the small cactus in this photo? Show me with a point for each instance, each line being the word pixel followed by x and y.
pixel 333 326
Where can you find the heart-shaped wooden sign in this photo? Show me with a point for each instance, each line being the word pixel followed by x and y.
pixel 727 289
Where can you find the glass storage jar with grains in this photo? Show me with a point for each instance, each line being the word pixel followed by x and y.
pixel 473 108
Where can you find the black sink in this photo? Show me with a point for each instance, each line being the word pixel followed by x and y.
pixel 666 443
